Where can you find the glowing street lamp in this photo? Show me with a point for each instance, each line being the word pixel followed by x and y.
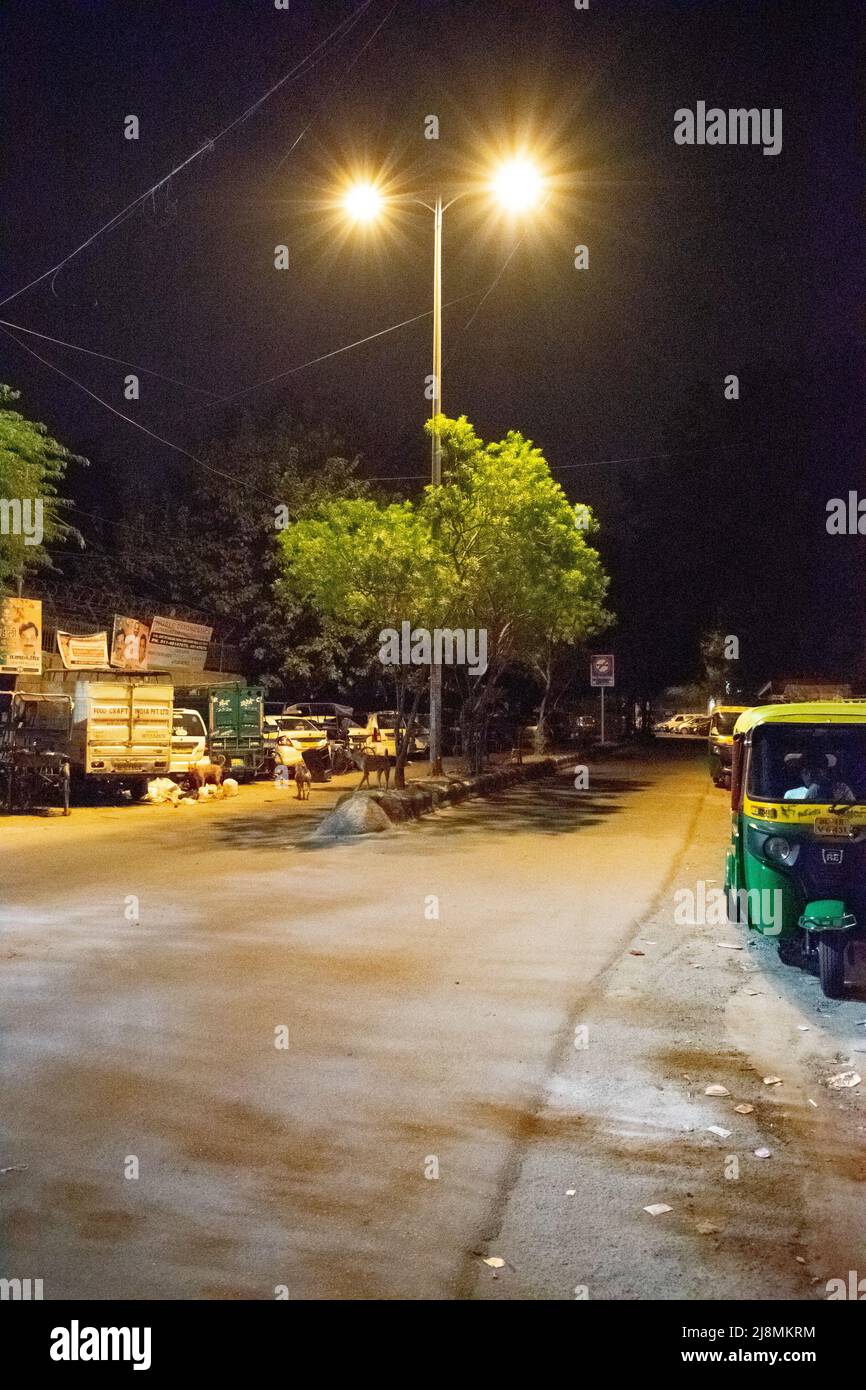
pixel 363 202
pixel 517 186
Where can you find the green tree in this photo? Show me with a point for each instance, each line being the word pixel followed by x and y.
pixel 365 567
pixel 211 540
pixel 32 465
pixel 518 563
pixel 495 548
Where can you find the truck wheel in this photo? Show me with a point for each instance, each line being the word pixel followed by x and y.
pixel 831 964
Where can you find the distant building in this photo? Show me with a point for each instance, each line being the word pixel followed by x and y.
pixel 795 689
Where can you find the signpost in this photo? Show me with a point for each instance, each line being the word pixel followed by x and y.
pixel 601 673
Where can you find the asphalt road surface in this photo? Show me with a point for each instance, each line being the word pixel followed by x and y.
pixel 235 1065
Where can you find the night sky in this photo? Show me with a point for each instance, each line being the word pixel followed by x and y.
pixel 703 261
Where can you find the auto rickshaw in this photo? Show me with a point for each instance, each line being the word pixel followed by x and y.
pixel 720 742
pixel 796 865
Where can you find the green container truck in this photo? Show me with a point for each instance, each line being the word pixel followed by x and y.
pixel 233 716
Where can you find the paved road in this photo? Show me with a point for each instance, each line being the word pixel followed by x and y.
pixel 427 984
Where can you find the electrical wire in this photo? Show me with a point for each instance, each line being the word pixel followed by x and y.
pixel 107 357
pixel 330 92
pixel 143 428
pixel 359 342
pixel 593 463
pixel 208 145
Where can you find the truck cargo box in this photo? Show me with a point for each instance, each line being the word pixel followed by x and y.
pixel 121 729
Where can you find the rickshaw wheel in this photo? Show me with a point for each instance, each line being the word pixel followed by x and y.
pixel 831 964
pixel 733 909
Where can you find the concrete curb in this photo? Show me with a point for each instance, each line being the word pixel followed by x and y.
pixel 425 795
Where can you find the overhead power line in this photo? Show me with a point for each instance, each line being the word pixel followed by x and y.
pixel 592 463
pixel 359 342
pixel 330 92
pixel 107 357
pixel 208 145
pixel 119 413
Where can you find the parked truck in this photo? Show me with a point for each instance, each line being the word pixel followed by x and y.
pixel 233 719
pixel 121 732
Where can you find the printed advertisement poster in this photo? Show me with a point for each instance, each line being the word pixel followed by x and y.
pixel 129 644
pixel 175 645
pixel 87 652
pixel 21 635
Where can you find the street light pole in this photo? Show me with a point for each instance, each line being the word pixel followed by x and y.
pixel 517 186
pixel 436 475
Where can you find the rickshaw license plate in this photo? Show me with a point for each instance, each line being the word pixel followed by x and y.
pixel 836 826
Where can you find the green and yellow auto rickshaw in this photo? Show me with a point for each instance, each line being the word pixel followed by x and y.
pixel 720 742
pixel 796 866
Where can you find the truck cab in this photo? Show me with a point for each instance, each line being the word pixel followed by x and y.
pixel 188 740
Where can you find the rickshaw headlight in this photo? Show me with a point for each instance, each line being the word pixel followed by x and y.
pixel 781 850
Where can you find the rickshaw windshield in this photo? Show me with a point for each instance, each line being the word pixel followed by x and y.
pixel 724 723
pixel 808 762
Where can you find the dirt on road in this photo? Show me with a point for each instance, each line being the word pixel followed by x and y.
pixel 233 1064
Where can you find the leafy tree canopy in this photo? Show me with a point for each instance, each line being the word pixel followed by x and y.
pixel 32 466
pixel 495 547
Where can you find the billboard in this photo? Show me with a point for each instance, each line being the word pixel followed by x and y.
pixel 83 652
pixel 21 635
pixel 129 644
pixel 178 645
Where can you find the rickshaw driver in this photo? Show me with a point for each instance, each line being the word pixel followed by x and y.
pixel 818 786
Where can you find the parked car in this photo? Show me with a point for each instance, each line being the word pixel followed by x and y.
pixel 188 740
pixel 343 729
pixel 674 725
pixel 292 736
pixel 381 728
pixel 320 711
pixel 697 726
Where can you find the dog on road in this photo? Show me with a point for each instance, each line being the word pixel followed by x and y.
pixel 203 773
pixel 380 763
pixel 303 781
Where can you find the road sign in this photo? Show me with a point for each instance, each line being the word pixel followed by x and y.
pixel 601 670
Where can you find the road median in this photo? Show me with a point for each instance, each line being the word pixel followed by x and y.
pixel 369 812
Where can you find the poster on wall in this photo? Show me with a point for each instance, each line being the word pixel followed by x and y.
pixel 83 652
pixel 175 645
pixel 129 644
pixel 21 635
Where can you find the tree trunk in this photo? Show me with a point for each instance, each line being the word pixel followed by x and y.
pixel 404 738
pixel 541 730
pixel 474 715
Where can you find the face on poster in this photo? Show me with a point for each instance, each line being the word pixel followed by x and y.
pixel 129 644
pixel 21 635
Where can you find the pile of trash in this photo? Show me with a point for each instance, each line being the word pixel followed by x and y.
pixel 163 791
